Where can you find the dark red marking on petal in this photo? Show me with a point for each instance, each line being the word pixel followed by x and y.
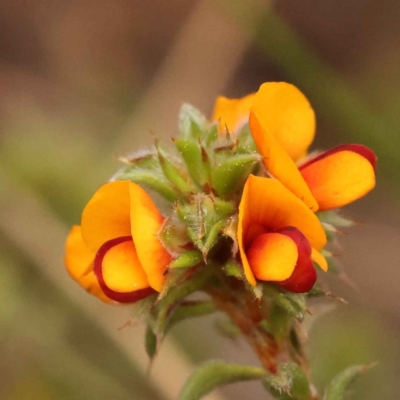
pixel 360 149
pixel 304 275
pixel 121 297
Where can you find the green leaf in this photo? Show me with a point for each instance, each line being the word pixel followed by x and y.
pixel 171 172
pixel 339 385
pixel 230 176
pixel 193 155
pixel 177 293
pixel 190 309
pixel 187 259
pixel 334 218
pixel 147 172
pixel 150 342
pixel 191 122
pixel 290 383
pixel 217 373
pixel 293 303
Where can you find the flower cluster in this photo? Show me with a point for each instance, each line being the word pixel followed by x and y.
pixel 242 191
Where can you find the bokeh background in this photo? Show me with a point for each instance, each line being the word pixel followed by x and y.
pixel 82 82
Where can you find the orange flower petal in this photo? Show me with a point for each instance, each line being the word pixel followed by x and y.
pixel 79 263
pixel 107 215
pixel 304 276
pixel 119 272
pixel 272 257
pixel 231 112
pixel 341 175
pixel 319 259
pixel 287 115
pixel 267 204
pixel 279 164
pixel 146 221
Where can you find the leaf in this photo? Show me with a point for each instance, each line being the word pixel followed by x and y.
pixel 290 383
pixel 217 373
pixel 171 172
pixel 147 172
pixel 191 152
pixel 186 260
pixel 293 303
pixel 191 309
pixel 339 385
pixel 177 293
pixel 230 176
pixel 191 122
pixel 150 342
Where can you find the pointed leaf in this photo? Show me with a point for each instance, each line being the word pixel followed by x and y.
pixel 150 343
pixel 339 385
pixel 191 122
pixel 217 373
pixel 187 259
pixel 293 303
pixel 290 383
pixel 191 309
pixel 193 155
pixel 148 173
pixel 230 176
pixel 171 172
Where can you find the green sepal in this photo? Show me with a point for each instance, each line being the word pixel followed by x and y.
pixel 186 260
pixel 233 268
pixel 334 218
pixel 172 295
pixel 338 387
pixel 193 155
pixel 191 122
pixel 147 172
pixel 278 322
pixel 230 176
pixel 213 374
pixel 210 136
pixel 290 383
pixel 245 141
pixel 190 309
pixel 171 172
pixel 173 234
pixel 151 342
pixel 205 218
pixel 293 303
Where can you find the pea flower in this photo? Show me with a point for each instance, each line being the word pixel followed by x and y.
pixel 115 253
pixel 282 124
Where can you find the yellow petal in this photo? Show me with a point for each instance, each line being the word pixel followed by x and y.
pixel 340 176
pixel 267 204
pixel 319 259
pixel 79 263
pixel 232 112
pixel 122 271
pixel 119 272
pixel 272 257
pixel 146 221
pixel 279 164
pixel 287 115
pixel 107 214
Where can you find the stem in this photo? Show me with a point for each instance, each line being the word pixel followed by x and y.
pixel 246 313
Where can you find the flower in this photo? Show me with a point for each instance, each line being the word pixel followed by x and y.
pixel 282 124
pixel 278 236
pixel 115 253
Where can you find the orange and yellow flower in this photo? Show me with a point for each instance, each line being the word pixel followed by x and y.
pixel 278 232
pixel 282 124
pixel 278 236
pixel 115 253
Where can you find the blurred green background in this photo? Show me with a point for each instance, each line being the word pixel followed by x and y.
pixel 85 81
